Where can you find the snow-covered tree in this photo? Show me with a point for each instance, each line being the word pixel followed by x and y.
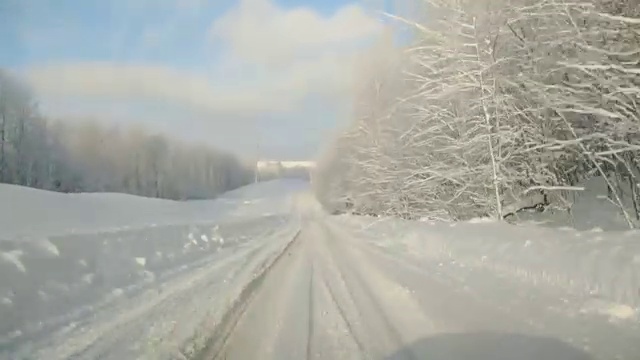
pixel 499 105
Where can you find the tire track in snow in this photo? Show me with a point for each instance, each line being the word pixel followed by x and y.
pixel 334 284
pixel 352 310
pixel 377 318
pixel 135 321
pixel 225 330
pixel 311 323
pixel 343 317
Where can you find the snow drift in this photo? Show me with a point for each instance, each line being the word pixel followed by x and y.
pixel 27 212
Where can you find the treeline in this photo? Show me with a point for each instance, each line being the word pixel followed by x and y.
pixel 495 106
pixel 87 157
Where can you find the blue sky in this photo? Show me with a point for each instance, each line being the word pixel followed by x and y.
pixel 229 73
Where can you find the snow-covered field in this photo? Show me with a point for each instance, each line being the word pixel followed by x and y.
pixel 66 257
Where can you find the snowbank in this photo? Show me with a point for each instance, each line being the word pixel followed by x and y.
pixel 588 264
pixel 27 212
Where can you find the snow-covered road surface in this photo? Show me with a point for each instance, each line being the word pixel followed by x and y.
pixel 277 278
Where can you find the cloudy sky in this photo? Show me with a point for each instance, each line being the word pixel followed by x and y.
pixel 231 73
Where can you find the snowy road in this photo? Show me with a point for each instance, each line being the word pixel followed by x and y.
pixel 300 284
pixel 333 296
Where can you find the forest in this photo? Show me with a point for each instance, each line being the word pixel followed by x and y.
pixel 492 107
pixel 85 156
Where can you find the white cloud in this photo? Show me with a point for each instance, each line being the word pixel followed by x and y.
pixel 257 30
pixel 148 82
pixel 309 52
pixel 270 60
